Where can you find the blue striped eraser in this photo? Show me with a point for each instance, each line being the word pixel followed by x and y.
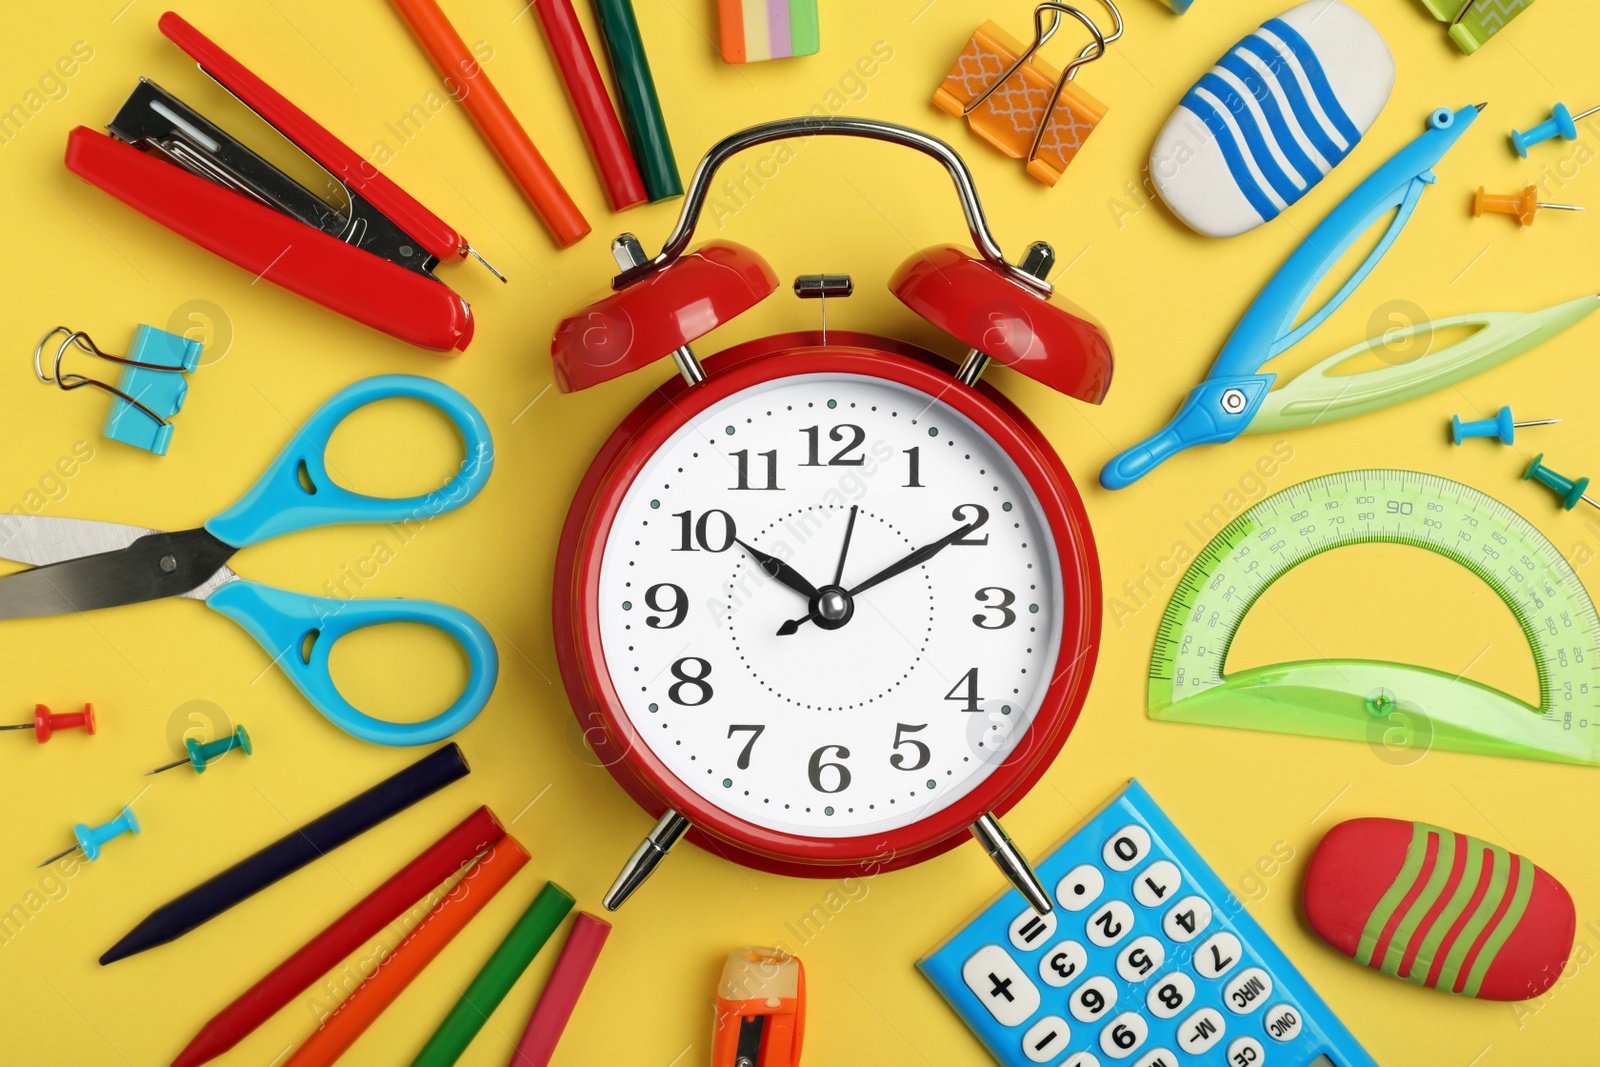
pixel 1180 6
pixel 1260 129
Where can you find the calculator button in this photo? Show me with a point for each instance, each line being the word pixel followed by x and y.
pixel 1187 920
pixel 1080 1059
pixel 1080 887
pixel 1170 995
pixel 1123 1035
pixel 1248 991
pixel 1156 883
pixel 1063 963
pixel 1158 1057
pixel 1200 1032
pixel 1110 923
pixel 1093 999
pixel 999 983
pixel 1245 1052
pixel 1030 930
pixel 1282 1022
pixel 1045 1039
pixel 1217 955
pixel 1126 848
pixel 1140 959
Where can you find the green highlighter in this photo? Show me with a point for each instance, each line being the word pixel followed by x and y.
pixel 496 978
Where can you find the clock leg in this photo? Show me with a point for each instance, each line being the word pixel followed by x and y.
pixel 651 852
pixel 1037 261
pixel 1011 863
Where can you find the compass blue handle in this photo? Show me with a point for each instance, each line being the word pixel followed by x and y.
pixel 284 622
pixel 296 492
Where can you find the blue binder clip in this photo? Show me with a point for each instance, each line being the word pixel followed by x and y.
pixel 150 390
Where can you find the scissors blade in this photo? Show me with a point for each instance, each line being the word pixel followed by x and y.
pixel 154 566
pixel 41 539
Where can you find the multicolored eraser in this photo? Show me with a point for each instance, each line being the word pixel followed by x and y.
pixel 1439 909
pixel 753 30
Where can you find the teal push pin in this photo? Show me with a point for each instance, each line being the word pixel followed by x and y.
pixel 1500 426
pixel 91 838
pixel 202 754
pixel 1561 123
pixel 1568 490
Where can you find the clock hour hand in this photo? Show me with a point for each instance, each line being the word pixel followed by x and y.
pixel 777 568
pixel 915 559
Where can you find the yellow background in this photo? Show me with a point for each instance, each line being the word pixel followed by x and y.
pixel 1168 298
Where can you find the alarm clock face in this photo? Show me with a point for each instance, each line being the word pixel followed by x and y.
pixel 902 681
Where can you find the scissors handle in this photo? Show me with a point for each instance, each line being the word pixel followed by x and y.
pixel 283 622
pixel 297 493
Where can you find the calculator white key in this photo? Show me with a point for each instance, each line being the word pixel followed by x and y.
pixel 1080 888
pixel 1158 1057
pixel 1143 956
pixel 1217 955
pixel 1109 923
pixel 1170 995
pixel 1202 1031
pixel 1062 964
pixel 1126 848
pixel 1282 1022
pixel 1186 920
pixel 1093 999
pixel 1000 985
pixel 1157 883
pixel 1123 1035
pixel 1081 1059
pixel 1245 1052
pixel 1030 930
pixel 1248 990
pixel 1046 1039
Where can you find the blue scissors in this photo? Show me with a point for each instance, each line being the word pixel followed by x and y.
pixel 81 565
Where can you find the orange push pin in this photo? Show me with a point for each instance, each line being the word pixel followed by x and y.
pixel 761 1010
pixel 1521 206
pixel 1019 105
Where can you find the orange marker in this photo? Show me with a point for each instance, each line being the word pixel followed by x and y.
pixel 466 81
pixel 447 919
pixel 1521 206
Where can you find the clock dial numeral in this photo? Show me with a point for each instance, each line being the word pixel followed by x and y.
pixel 743 456
pixel 685 680
pixel 968 695
pixel 679 606
pixel 898 760
pixel 857 436
pixel 979 518
pixel 714 524
pixel 814 769
pixel 1007 616
pixel 914 476
pixel 744 756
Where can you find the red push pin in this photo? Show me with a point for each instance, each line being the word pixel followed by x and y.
pixel 45 722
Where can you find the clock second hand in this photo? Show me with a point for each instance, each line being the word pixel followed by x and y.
pixel 905 563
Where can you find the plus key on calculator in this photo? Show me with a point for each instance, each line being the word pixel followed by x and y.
pixel 1147 960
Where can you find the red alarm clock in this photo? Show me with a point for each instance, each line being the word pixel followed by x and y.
pixel 823 602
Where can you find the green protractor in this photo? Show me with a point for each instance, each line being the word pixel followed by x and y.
pixel 1357 699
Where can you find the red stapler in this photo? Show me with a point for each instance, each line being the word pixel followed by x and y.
pixel 368 254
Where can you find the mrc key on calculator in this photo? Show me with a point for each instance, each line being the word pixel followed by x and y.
pixel 1147 960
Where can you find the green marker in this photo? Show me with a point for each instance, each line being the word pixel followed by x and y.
pixel 496 978
pixel 641 108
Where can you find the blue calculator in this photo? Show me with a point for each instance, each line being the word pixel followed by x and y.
pixel 1147 959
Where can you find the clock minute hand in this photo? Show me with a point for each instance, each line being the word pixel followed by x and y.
pixel 915 559
pixel 777 568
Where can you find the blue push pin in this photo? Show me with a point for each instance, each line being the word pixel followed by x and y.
pixel 1568 490
pixel 90 838
pixel 202 754
pixel 1561 123
pixel 1500 426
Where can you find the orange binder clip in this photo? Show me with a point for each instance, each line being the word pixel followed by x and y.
pixel 761 1010
pixel 1005 95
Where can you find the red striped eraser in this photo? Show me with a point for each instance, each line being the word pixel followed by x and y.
pixel 1440 909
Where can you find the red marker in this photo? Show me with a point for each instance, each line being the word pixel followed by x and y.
pixel 45 723
pixel 607 143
